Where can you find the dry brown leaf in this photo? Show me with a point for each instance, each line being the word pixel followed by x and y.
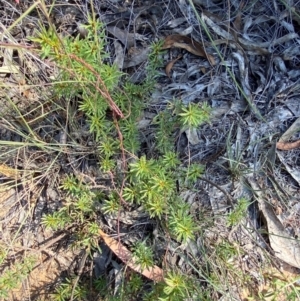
pixel 127 39
pixel 288 145
pixel 155 273
pixel 203 70
pixel 171 64
pixel 136 57
pixel 237 24
pixel 284 245
pixel 188 44
pixel 119 53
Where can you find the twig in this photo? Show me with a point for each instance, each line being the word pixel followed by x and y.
pixel 82 262
pixel 229 198
pixel 10 45
pixel 102 89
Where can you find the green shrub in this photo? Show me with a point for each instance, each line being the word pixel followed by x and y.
pixel 112 114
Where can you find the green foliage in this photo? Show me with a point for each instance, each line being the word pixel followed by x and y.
pixel 143 255
pixel 132 287
pixel 226 251
pixel 149 181
pixel 57 220
pixel 65 290
pixel 72 185
pixel 170 160
pixel 238 213
pixel 164 133
pixel 142 169
pixel 112 204
pixel 154 187
pixel 193 172
pixel 101 286
pixel 193 116
pixel 87 236
pixel 178 287
pixel 153 179
pixel 175 116
pixel 108 147
pixel 11 278
pixel 181 222
pixel 78 210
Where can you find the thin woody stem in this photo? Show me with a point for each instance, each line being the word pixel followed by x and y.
pixel 102 89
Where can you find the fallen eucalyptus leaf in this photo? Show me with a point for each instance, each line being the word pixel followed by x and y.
pixel 154 273
pixel 176 22
pixel 285 247
pixel 140 57
pixel 127 39
pixel 119 54
pixel 184 32
pixel 170 65
pixel 192 136
pixel 188 44
pixel 288 145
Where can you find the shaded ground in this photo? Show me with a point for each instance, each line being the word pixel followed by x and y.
pixel 248 73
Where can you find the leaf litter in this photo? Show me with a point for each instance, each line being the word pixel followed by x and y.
pixel 240 70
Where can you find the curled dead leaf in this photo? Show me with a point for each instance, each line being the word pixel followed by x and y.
pixel 287 145
pixel 155 273
pixel 171 64
pixel 188 44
